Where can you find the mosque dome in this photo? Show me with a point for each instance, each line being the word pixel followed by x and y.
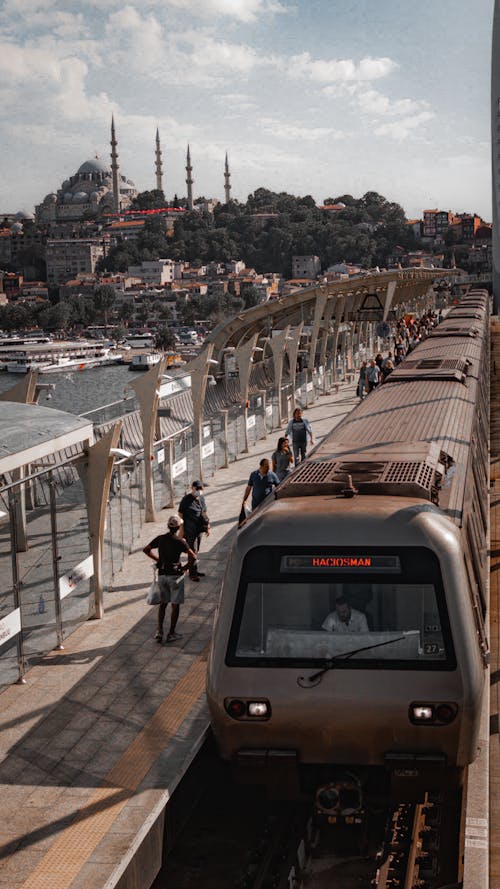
pixel 95 165
pixel 22 214
pixel 80 197
pixel 68 197
pixel 50 198
pixel 94 196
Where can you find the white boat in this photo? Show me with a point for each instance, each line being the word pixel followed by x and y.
pixel 145 360
pixel 140 341
pixel 102 358
pixel 56 357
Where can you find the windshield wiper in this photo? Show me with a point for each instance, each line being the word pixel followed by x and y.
pixel 315 678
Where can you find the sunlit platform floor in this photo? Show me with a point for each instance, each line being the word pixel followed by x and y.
pixel 95 743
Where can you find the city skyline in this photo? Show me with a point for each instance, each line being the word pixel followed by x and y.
pixel 304 98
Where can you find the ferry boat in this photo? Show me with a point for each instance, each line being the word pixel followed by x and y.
pixel 144 360
pixel 55 357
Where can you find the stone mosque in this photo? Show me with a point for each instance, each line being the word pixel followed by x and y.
pixel 98 188
pixel 95 189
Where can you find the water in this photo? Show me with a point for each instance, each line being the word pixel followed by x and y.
pixel 80 390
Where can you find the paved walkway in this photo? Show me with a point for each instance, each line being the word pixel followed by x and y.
pixel 94 744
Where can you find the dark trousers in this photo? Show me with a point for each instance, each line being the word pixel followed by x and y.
pixel 193 540
pixel 299 451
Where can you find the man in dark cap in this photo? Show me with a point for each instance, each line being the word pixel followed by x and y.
pixel 170 575
pixel 193 512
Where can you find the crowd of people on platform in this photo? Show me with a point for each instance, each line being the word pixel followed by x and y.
pixel 407 333
pixel 185 530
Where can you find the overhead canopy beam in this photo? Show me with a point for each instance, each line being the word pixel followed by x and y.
pixel 398 284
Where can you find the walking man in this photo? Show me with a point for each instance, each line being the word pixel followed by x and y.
pixel 373 375
pixel 261 482
pixel 171 582
pixel 299 430
pixel 193 512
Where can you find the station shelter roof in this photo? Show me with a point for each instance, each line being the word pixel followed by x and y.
pixel 30 432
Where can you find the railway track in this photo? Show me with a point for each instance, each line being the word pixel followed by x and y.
pixel 235 838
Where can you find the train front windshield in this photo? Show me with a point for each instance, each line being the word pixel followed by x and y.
pixel 376 608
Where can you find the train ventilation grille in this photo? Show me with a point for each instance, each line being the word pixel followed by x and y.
pixel 463 329
pixel 431 369
pixel 468 312
pixel 403 478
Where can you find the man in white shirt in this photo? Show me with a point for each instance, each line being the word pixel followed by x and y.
pixel 345 619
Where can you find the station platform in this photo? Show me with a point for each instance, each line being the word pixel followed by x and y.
pixel 95 743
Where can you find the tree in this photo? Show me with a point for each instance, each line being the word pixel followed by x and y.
pixel 126 312
pixel 104 299
pixel 165 338
pixel 250 296
pixel 119 258
pixel 149 200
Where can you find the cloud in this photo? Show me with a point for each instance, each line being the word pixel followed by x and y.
pixel 181 58
pixel 405 127
pixel 412 113
pixel 372 102
pixel 218 56
pixel 273 127
pixel 51 84
pixel 241 10
pixel 338 70
pixel 141 39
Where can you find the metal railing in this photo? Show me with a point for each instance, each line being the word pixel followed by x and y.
pixel 46 566
pixel 46 578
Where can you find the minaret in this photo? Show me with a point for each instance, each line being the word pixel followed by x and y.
pixel 189 180
pixel 158 163
pixel 115 169
pixel 227 182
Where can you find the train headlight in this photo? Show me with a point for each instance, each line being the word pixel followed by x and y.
pixel 422 713
pixel 259 709
pixel 446 713
pixel 433 714
pixel 236 708
pixel 249 710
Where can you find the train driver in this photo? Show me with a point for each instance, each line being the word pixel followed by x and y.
pixel 345 619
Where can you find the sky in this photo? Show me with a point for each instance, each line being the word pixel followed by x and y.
pixel 320 97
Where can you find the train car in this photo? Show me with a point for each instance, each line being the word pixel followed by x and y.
pixel 351 625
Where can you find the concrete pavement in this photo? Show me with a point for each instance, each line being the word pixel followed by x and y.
pixel 94 744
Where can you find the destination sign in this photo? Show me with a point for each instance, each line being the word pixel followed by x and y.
pixel 341 562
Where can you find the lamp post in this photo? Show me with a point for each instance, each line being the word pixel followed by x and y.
pixel 293 352
pixel 278 345
pixel 147 390
pixel 199 369
pixel 244 359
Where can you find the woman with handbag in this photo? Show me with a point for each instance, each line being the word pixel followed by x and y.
pixel 170 575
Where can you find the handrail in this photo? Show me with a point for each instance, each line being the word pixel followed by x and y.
pixel 104 407
pixel 48 468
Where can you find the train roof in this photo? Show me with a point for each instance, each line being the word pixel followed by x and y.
pixel 412 436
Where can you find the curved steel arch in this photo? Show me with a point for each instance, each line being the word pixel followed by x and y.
pixel 403 284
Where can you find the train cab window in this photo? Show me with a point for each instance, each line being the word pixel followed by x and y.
pixel 379 613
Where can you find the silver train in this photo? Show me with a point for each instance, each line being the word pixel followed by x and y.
pixel 351 625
